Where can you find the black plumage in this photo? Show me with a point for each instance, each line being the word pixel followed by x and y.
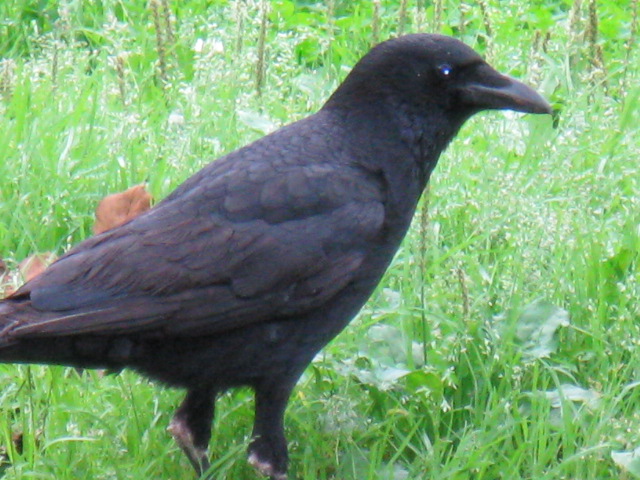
pixel 244 272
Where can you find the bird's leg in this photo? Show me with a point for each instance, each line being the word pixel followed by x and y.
pixel 191 427
pixel 268 449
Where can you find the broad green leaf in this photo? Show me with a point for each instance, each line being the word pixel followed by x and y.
pixel 256 121
pixel 629 461
pixel 537 327
pixel 573 393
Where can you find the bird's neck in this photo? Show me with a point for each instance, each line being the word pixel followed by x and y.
pixel 397 146
pixel 414 139
pixel 424 129
pixel 426 133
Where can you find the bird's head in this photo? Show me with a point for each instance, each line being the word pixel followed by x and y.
pixel 429 74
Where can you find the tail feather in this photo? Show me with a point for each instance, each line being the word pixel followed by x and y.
pixel 74 351
pixel 7 322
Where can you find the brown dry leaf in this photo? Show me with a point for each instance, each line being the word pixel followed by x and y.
pixel 27 270
pixel 18 442
pixel 4 279
pixel 118 208
pixel 34 265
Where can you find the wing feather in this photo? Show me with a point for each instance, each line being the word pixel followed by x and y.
pixel 192 266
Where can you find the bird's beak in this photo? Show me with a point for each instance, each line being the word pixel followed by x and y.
pixel 490 90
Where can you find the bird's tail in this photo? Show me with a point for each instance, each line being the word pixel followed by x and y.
pixel 11 349
pixel 6 322
pixel 50 351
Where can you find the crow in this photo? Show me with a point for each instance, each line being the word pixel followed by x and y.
pixel 243 273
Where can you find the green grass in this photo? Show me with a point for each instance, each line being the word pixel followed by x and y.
pixel 437 377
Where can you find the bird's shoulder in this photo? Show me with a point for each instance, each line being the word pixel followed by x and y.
pixel 303 169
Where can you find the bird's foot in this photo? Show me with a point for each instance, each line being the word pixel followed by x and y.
pixel 184 438
pixel 264 467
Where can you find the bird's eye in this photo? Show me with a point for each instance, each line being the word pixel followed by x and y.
pixel 445 70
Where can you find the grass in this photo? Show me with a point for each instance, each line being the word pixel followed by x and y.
pixel 529 223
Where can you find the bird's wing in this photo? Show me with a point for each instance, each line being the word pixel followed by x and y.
pixel 242 248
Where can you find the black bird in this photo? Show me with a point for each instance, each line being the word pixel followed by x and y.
pixel 243 273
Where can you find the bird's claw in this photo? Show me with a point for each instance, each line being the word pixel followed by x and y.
pixel 184 438
pixel 265 468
